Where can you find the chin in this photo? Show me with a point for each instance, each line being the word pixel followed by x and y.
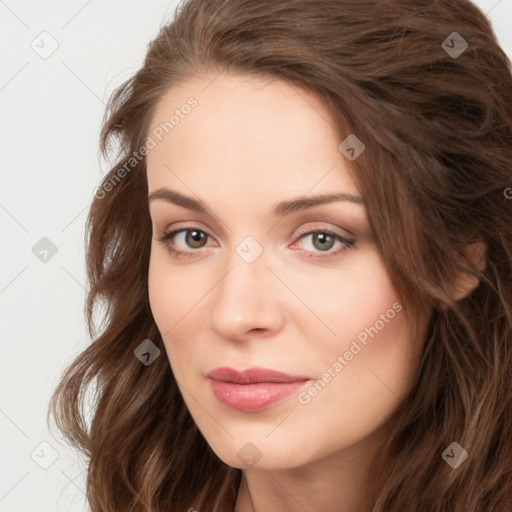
pixel 262 456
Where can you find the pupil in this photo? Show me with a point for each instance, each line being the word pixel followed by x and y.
pixel 323 237
pixel 196 235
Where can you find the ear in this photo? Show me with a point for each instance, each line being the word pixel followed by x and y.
pixel 466 283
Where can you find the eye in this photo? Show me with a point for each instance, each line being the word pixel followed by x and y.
pixel 194 238
pixel 322 241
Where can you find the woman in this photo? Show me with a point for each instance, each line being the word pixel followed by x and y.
pixel 304 248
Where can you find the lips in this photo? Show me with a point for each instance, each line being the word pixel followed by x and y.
pixel 254 389
pixel 252 375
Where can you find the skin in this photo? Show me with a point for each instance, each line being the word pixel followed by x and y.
pixel 250 143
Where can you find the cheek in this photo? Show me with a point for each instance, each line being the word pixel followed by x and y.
pixel 161 296
pixel 350 298
pixel 174 294
pixel 358 395
pixel 171 291
pixel 368 367
pixel 164 292
pixel 373 377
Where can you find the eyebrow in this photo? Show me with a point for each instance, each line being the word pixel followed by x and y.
pixel 278 210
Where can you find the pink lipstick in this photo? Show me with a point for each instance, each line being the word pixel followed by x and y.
pixel 254 389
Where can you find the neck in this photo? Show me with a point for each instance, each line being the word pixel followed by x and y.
pixel 333 483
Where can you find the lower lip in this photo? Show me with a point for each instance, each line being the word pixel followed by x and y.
pixel 253 397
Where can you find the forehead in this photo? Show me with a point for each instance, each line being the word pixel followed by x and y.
pixel 245 131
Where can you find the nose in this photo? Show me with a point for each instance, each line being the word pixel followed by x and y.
pixel 248 300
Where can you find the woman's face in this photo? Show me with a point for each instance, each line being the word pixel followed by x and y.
pixel 256 287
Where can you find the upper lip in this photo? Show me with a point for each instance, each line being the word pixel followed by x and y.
pixel 252 375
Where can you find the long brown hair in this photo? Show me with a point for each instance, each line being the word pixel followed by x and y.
pixel 435 175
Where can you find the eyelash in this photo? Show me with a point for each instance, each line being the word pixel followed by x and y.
pixel 166 238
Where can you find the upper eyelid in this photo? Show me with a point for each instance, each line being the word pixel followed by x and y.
pixel 205 230
pixel 180 229
pixel 302 232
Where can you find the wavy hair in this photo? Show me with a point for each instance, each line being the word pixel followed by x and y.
pixel 436 176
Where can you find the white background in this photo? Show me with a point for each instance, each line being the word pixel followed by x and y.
pixel 51 111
